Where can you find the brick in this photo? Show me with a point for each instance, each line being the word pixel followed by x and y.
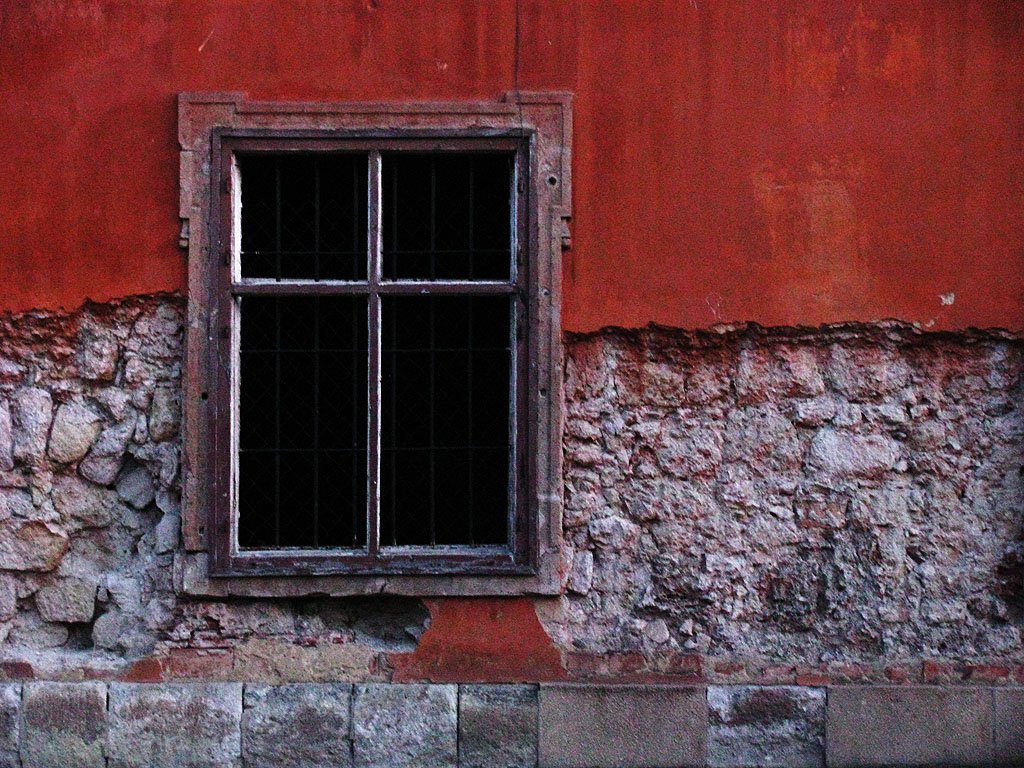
pixel 64 724
pixel 1008 726
pixel 597 726
pixel 879 725
pixel 10 708
pixel 405 725
pixel 165 725
pixel 766 726
pixel 297 726
pixel 497 726
pixel 198 663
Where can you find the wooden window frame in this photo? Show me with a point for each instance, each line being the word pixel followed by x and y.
pixel 212 127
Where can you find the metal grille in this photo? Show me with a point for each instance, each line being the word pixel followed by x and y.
pixel 445 420
pixel 377 304
pixel 304 216
pixel 302 421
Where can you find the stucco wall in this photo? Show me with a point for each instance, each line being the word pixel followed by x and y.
pixel 785 163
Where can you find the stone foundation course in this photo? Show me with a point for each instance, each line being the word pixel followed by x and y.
pixel 54 725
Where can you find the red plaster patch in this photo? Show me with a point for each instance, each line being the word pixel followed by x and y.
pixel 481 640
pixel 150 670
pixel 200 663
pixel 16 670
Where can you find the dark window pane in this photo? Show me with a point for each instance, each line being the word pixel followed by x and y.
pixel 447 216
pixel 302 422
pixel 445 420
pixel 304 216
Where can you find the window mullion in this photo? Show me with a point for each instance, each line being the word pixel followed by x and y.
pixel 374 339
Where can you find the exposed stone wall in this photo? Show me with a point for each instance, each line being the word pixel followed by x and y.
pixel 739 507
pixel 124 725
pixel 826 496
pixel 89 502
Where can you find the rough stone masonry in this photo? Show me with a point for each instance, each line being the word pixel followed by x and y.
pixel 741 505
pixel 843 496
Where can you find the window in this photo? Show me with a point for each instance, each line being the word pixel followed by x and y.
pixel 375 391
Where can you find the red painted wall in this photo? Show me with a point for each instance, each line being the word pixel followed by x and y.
pixel 783 162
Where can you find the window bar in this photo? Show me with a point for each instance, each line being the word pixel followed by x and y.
pixel 394 358
pixel 354 454
pixel 469 359
pixel 433 354
pixel 469 426
pixel 316 356
pixel 277 358
pixel 373 369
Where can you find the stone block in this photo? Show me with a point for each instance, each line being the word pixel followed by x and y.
pixel 82 504
pixel 104 460
pixel 912 725
pixel 8 596
pixel 135 486
pixel 164 414
pixel 31 417
pixel 74 429
pixel 405 725
pixel 64 724
pixel 497 726
pixel 1008 726
pixel 594 726
pixel 297 726
pixel 6 437
pixel 31 546
pixel 67 600
pixel 10 707
pixel 15 503
pixel 171 725
pixel 766 726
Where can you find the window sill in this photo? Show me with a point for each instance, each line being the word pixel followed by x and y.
pixel 192 577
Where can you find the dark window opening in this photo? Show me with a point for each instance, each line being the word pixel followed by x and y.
pixel 304 216
pixel 376 410
pixel 445 420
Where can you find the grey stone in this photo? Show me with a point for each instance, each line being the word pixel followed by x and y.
pixel 67 600
pixel 31 546
pixel 297 726
pixel 64 724
pixel 10 709
pixel 97 352
pixel 32 414
pixel 75 427
pixel 108 630
pixel 6 437
pixel 82 503
pixel 170 725
pixel 582 574
pixel 405 725
pixel 595 726
pixel 164 414
pixel 8 596
pixel 908 725
pixel 104 460
pixel 845 455
pixel 497 726
pixel 135 486
pixel 28 630
pixel 766 726
pixel 1008 726
pixel 15 503
pixel 166 534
